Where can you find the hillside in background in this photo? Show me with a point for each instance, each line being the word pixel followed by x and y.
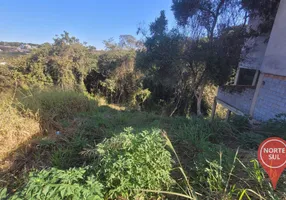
pixel 14 49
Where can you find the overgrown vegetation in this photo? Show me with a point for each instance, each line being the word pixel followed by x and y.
pixel 73 120
pixel 128 162
pixel 59 184
pixel 137 163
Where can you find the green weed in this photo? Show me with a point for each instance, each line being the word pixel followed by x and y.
pixel 58 184
pixel 128 162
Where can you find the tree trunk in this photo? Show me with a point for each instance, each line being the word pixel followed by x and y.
pixel 199 97
pixel 118 101
pixel 199 103
pixel 176 107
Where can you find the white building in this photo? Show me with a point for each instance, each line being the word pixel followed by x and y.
pixel 259 90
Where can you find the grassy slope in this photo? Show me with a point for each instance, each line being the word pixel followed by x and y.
pixel 195 140
pixel 206 150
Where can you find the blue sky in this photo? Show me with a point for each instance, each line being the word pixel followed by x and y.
pixel 91 21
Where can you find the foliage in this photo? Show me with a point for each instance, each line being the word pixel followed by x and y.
pixel 59 184
pixel 257 175
pixel 218 174
pixel 134 161
pixel 265 9
pixel 6 80
pixel 3 193
pixel 208 15
pixel 214 24
pixel 67 154
pixel 179 67
pixel 116 78
pixel 204 149
pixel 64 63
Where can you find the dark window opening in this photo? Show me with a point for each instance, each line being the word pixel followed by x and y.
pixel 246 76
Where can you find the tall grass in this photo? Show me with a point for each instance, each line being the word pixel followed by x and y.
pixel 29 113
pixel 57 104
pixel 16 127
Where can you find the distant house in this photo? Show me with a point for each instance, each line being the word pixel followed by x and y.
pixel 259 89
pixel 25 46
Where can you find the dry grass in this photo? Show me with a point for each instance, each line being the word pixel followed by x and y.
pixel 25 116
pixel 116 107
pixel 209 94
pixel 15 129
pixel 34 113
pixel 102 102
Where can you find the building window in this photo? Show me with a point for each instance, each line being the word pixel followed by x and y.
pixel 247 77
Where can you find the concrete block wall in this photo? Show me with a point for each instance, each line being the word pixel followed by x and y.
pixel 240 99
pixel 271 98
pixel 274 61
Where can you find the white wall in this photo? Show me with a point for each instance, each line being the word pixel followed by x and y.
pixel 254 48
pixel 275 56
pixel 271 99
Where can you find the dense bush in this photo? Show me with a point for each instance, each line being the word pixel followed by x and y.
pixel 64 63
pixel 134 161
pixel 60 184
pixel 117 79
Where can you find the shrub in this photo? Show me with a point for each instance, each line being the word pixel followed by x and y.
pixel 134 161
pixel 59 184
pixel 3 193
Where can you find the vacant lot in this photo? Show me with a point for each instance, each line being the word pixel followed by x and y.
pixel 74 140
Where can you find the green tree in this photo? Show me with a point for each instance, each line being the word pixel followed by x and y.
pixel 63 63
pixel 163 64
pixel 264 9
pixel 116 77
pixel 179 67
pixel 207 62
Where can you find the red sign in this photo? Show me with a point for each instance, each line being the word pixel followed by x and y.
pixel 272 157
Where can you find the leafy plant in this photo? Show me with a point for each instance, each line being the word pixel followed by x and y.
pixel 133 161
pixel 59 184
pixel 3 193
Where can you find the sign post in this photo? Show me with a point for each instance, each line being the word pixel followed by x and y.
pixel 272 157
